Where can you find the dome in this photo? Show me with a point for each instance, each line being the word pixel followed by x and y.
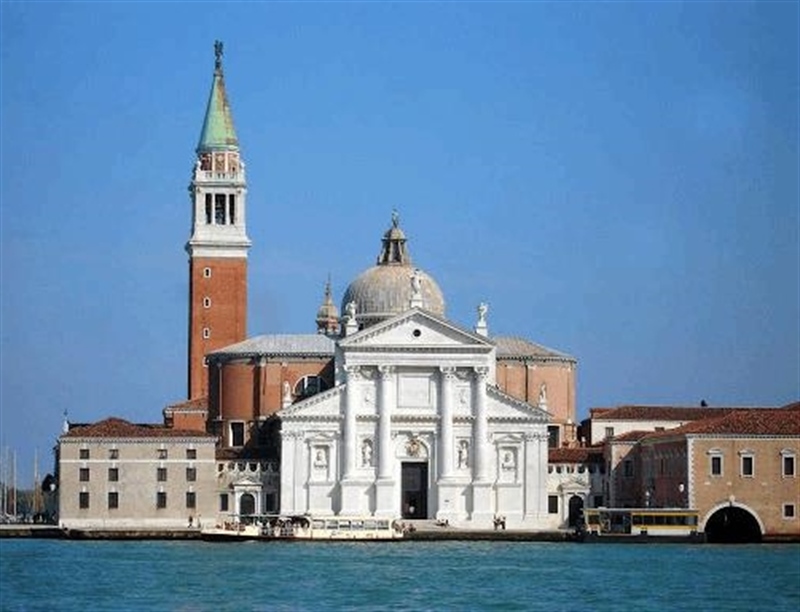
pixel 393 285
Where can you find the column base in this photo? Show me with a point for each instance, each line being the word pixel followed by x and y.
pixel 385 504
pixel 483 510
pixel 354 497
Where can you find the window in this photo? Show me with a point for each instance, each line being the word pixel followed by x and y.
pixel 232 209
pixel 223 502
pixel 206 333
pixel 609 432
pixel 113 454
pixel 552 504
pixel 161 474
pixel 84 453
pixel 208 209
pixel 598 501
pixel 191 453
pixel 788 511
pixel 716 465
pixel 161 499
pixel 84 475
pixel 113 500
pixel 113 474
pixel 219 208
pixel 206 302
pixel 162 453
pixel 748 466
pixel 309 385
pixel 206 272
pixel 83 499
pixel 191 474
pixel 788 468
pixel 553 436
pixel 627 468
pixel 191 500
pixel 237 434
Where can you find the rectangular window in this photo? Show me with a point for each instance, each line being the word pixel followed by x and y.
pixel 161 499
pixel 627 468
pixel 237 434
pixel 716 465
pixel 191 474
pixel 191 500
pixel 219 208
pixel 83 499
pixel 84 475
pixel 113 454
pixel 84 453
pixel 232 209
pixel 208 209
pixel 788 511
pixel 162 453
pixel 748 465
pixel 598 501
pixel 609 432
pixel 113 474
pixel 223 502
pixel 788 465
pixel 552 504
pixel 161 474
pixel 113 500
pixel 553 436
pixel 191 453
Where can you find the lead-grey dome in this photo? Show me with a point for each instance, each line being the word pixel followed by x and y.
pixel 393 285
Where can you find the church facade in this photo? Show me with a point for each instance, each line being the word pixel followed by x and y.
pixel 388 408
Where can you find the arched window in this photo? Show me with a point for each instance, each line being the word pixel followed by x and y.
pixel 308 386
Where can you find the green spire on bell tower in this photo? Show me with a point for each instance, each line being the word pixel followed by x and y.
pixel 218 132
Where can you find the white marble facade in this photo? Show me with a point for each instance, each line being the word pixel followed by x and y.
pixel 416 428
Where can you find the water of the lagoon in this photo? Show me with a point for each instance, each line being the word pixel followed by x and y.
pixel 153 575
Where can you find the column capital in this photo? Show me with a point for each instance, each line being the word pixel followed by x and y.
pixel 481 372
pixel 448 372
pixel 353 372
pixel 386 371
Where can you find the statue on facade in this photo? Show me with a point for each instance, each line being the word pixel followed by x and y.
pixel 463 454
pixel 395 218
pixel 366 453
pixel 483 308
pixel 350 310
pixel 543 394
pixel 416 283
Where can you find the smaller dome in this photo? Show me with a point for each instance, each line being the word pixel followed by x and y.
pixel 328 314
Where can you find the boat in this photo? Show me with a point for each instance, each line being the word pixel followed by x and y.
pixel 639 525
pixel 303 527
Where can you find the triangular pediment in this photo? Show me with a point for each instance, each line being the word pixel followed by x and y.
pixel 503 407
pixel 416 330
pixel 325 405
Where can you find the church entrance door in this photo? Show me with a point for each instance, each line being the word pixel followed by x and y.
pixel 414 494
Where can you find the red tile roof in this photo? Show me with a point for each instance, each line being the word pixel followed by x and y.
pixel 584 454
pixel 754 422
pixel 119 428
pixel 198 403
pixel 662 413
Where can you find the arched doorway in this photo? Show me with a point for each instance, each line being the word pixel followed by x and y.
pixel 732 524
pixel 247 504
pixel 575 511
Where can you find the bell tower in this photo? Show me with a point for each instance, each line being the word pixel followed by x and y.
pixel 219 244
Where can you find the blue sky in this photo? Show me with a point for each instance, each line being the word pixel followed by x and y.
pixel 619 181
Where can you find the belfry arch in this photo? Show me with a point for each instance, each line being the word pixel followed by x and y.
pixel 732 523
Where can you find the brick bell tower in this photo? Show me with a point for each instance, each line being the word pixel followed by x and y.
pixel 219 244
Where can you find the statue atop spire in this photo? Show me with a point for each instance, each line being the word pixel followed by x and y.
pixel 218 55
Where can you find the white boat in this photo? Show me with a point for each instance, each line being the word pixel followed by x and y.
pixel 303 527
